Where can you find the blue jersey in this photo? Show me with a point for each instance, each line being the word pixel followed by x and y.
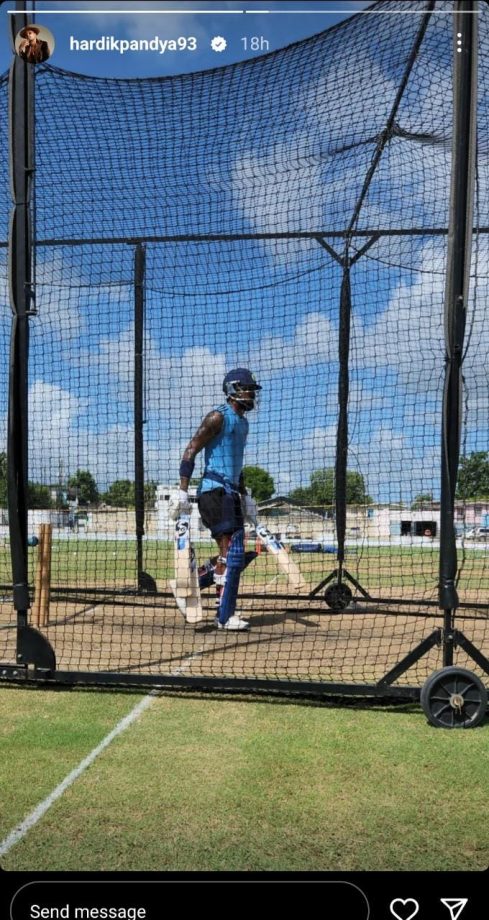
pixel 224 453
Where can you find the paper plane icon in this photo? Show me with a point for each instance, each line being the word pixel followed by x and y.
pixel 455 906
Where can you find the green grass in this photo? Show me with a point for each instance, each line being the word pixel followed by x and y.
pixel 227 784
pixel 79 563
pixel 105 563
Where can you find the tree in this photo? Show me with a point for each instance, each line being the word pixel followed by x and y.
pixel 258 482
pixel 473 476
pixel 301 496
pixel 322 489
pixel 120 494
pixel 424 498
pixel 85 487
pixel 150 494
pixel 38 496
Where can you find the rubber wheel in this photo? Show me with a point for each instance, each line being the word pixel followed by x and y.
pixel 454 698
pixel 338 596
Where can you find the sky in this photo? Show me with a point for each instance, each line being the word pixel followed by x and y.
pixel 227 153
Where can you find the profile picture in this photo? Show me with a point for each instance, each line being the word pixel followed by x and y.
pixel 34 44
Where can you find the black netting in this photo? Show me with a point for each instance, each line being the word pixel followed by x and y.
pixel 254 189
pixel 7 617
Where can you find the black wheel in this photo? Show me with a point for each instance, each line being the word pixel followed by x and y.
pixel 454 698
pixel 338 596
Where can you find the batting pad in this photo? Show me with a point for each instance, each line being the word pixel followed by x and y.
pixel 234 565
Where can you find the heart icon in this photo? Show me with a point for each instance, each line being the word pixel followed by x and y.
pixel 404 909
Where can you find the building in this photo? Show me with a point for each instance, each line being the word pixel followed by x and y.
pixel 379 523
pixel 288 520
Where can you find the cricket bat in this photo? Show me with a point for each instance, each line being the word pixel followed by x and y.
pixel 185 585
pixel 284 562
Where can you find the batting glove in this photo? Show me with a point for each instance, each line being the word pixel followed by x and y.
pixel 179 506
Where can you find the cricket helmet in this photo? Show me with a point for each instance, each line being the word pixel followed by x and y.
pixel 239 381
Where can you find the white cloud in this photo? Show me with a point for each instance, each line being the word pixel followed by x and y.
pixel 409 334
pixel 52 414
pixel 299 180
pixel 178 391
pixel 180 384
pixel 68 302
pixel 315 340
pixel 304 177
pixel 60 441
pixel 395 466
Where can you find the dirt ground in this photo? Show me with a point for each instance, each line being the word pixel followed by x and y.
pixel 296 639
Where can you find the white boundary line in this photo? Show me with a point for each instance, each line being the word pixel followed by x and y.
pixel 22 829
pixel 28 823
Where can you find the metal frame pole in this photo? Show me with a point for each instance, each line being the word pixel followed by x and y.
pixel 139 267
pixel 21 135
pixel 456 295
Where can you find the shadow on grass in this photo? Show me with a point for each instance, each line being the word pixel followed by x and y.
pixel 396 705
pixel 280 698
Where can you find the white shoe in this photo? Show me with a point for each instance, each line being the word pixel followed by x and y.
pixel 234 624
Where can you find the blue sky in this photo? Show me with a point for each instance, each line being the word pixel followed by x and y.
pixel 300 165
